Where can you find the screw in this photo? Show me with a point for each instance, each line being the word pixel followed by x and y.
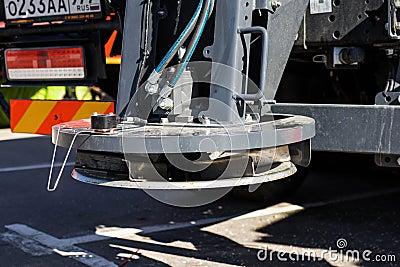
pixel 162 13
pixel 206 121
pixel 164 120
pixel 152 89
pixel 249 118
pixel 275 5
pixel 166 104
pixel 389 52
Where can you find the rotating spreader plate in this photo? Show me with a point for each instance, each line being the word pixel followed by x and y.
pixel 163 138
pixel 131 142
pixel 282 171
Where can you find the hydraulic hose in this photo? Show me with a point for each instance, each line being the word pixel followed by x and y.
pixel 181 39
pixel 152 81
pixel 209 4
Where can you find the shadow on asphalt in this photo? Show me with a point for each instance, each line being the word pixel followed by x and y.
pixel 366 224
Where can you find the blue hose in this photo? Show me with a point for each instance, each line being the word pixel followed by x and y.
pixel 185 32
pixel 184 65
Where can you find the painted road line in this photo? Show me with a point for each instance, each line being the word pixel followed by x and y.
pixel 105 233
pixel 34 167
pixel 67 246
pixel 172 259
pixel 113 232
pixel 282 208
pixel 273 210
pixel 85 239
pixel 60 247
pixel 25 244
pixel 181 225
pixel 7 135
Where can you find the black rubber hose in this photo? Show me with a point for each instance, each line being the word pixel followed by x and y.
pixel 193 43
pixel 178 45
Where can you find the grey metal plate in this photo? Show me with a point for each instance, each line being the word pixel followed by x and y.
pixel 284 170
pixel 186 138
pixel 351 128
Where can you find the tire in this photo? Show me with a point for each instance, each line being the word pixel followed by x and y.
pixel 274 191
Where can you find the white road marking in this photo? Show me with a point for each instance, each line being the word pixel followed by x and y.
pixel 84 239
pixel 291 208
pixel 25 244
pixel 171 259
pixel 70 254
pixel 53 243
pixel 106 233
pixel 115 232
pixel 136 237
pixel 7 135
pixel 180 225
pixel 67 246
pixel 34 167
pixel 127 256
pixel 276 209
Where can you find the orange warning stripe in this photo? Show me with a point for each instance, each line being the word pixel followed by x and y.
pixel 39 116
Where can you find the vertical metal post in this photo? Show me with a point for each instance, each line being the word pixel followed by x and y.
pixel 131 53
pixel 230 16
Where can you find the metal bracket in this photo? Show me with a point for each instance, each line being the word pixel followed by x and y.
pixel 300 153
pixel 387 98
pixel 385 160
pixel 264 4
pixel 391 93
pixel 264 62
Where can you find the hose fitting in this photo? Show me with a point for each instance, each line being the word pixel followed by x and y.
pixel 152 85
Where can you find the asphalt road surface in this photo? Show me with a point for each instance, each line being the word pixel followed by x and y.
pixel 345 214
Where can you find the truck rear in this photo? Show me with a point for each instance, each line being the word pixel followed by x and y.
pixel 214 94
pixel 56 50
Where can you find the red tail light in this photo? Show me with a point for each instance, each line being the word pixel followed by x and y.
pixel 60 63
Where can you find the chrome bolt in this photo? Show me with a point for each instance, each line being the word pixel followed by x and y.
pixel 275 5
pixel 166 104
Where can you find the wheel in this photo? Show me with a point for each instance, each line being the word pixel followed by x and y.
pixel 273 191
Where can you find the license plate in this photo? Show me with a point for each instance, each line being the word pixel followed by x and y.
pixel 28 9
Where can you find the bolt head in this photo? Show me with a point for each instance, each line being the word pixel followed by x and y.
pixel 166 104
pixel 389 52
pixel 162 13
pixel 275 4
pixel 151 88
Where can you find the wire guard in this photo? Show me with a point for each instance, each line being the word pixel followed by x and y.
pixel 54 188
